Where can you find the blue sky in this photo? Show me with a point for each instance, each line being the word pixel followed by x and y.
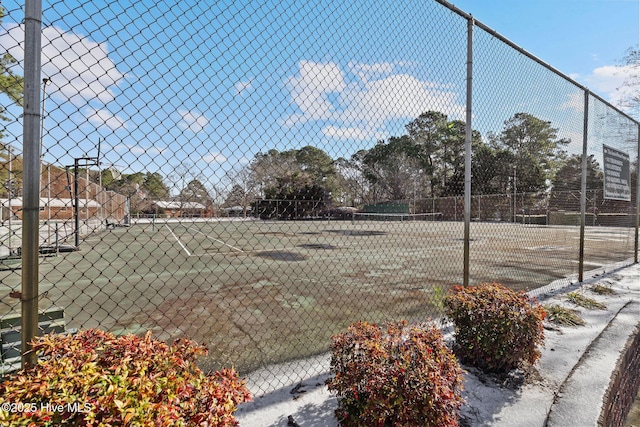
pixel 193 88
pixel 581 38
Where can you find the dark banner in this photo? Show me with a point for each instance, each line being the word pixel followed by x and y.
pixel 617 175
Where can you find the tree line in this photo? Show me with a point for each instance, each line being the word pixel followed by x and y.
pixel 428 161
pixel 527 156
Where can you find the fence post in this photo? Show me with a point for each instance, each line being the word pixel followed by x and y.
pixel 635 253
pixel 583 185
pixel 594 206
pixel 467 152
pixel 31 177
pixel 76 197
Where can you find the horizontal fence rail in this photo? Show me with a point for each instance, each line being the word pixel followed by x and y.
pixel 256 177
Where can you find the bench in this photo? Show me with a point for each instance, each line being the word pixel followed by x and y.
pixel 110 225
pixel 49 321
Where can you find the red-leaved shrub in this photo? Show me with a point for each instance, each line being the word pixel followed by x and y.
pixel 496 329
pixel 400 375
pixel 95 378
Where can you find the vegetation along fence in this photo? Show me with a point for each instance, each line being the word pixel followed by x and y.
pixel 258 175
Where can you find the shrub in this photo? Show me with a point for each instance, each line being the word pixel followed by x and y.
pixel 496 329
pixel 399 376
pixel 95 378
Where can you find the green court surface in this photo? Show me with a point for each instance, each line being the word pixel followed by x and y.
pixel 257 292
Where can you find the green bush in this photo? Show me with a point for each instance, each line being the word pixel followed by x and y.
pixel 400 375
pixel 95 378
pixel 496 329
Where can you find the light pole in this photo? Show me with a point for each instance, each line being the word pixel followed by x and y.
pixel 515 193
pixel 45 82
pixel 10 191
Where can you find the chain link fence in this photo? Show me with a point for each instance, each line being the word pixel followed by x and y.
pixel 257 176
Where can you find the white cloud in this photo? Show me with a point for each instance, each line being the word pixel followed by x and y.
pixel 573 101
pixel 194 122
pixel 244 160
pixel 361 111
pixel 79 68
pixel 292 120
pixel 243 87
pixel 104 118
pixel 354 133
pixel 607 81
pixel 368 72
pixel 345 133
pixel 214 158
pixel 398 96
pixel 310 90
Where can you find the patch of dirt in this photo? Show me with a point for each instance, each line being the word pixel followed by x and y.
pixel 513 380
pixel 276 233
pixel 282 255
pixel 317 246
pixel 359 232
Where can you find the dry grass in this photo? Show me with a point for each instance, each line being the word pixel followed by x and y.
pixel 586 302
pixel 602 290
pixel 563 316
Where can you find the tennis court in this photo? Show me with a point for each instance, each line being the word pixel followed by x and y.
pixel 258 292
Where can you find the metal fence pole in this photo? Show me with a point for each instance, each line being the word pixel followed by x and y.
pixel 76 198
pixel 583 186
pixel 467 152
pixel 31 177
pixel 635 253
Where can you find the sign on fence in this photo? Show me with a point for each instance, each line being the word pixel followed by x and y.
pixel 617 176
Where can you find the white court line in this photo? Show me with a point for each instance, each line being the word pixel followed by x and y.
pixel 178 240
pixel 219 241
